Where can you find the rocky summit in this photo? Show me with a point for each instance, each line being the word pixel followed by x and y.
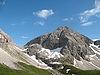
pixel 72 43
pixel 66 46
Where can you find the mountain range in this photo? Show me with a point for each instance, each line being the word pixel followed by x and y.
pixel 52 51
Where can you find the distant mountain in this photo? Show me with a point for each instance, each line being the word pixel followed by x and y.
pixel 65 46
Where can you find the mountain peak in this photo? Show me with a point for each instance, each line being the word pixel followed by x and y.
pixel 62 28
pixel 65 41
pixel 64 38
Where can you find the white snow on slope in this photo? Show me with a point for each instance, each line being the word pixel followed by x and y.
pixel 56 50
pixel 40 63
pixel 56 63
pixel 92 57
pixel 46 53
pixel 95 51
pixel 94 60
pixel 75 62
pixel 14 54
pixel 85 65
pixel 96 46
pixel 50 53
pixel 94 65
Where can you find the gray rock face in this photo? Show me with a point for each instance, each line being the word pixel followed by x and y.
pixel 33 49
pixel 97 42
pixel 11 54
pixel 72 43
pixel 4 38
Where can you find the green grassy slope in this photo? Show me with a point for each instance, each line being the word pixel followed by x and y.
pixel 28 70
pixel 31 70
pixel 77 71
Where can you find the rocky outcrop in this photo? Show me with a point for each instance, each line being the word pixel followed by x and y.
pixel 72 43
pixel 97 42
pixel 33 49
pixel 11 54
pixel 4 38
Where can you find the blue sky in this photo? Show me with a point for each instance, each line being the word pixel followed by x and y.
pixel 24 20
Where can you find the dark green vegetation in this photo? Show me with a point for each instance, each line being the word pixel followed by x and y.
pixel 77 71
pixel 27 70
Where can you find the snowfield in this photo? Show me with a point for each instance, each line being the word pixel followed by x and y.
pixel 50 53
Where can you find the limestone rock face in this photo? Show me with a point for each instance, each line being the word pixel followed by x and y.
pixel 11 54
pixel 33 49
pixel 4 38
pixel 72 43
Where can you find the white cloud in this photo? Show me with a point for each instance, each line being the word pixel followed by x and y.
pixel 88 13
pixel 2 2
pixel 13 24
pixel 40 23
pixel 67 19
pixel 86 23
pixel 24 37
pixel 71 18
pixel 44 13
pixel 98 15
pixel 97 4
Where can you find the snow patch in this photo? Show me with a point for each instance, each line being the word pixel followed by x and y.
pixel 25 49
pixel 96 46
pixel 58 38
pixel 74 62
pixel 56 50
pixel 51 53
pixel 91 57
pixel 40 63
pixel 94 65
pixel 68 70
pixel 94 49
pixel 56 63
